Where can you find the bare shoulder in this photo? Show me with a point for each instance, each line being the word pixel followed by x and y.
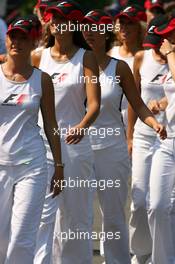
pixel 45 78
pixel 122 68
pixel 139 56
pixel 89 59
pixel 36 56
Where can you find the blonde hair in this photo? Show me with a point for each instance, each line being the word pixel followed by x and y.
pixel 139 38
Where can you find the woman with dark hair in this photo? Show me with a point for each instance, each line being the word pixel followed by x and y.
pixel 111 161
pixel 163 164
pixel 129 34
pixel 72 69
pixel 150 70
pixel 23 163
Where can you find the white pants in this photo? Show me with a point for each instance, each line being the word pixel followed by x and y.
pixel 112 164
pixel 44 243
pixel 162 180
pixel 22 192
pixel 142 153
pixel 74 214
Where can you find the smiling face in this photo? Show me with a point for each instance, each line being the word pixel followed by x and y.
pixel 19 43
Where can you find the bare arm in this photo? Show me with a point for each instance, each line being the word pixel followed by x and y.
pixel 50 125
pixel 132 116
pixel 36 57
pixel 133 96
pixel 166 47
pixel 93 93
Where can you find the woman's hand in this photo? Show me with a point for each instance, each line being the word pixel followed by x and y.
pixel 75 135
pixel 160 129
pixel 57 182
pixel 166 47
pixel 154 107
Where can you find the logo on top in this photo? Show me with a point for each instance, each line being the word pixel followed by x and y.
pixel 16 99
pixel 59 77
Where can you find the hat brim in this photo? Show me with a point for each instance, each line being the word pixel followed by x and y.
pixel 152 41
pixel 133 19
pixel 78 16
pixel 164 29
pixel 53 8
pixel 151 6
pixel 17 28
pixel 90 20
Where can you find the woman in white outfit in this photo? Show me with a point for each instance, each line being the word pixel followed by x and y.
pixel 23 166
pixel 129 33
pixel 71 69
pixel 150 70
pixel 163 163
pixel 110 151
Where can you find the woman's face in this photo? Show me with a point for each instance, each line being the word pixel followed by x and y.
pixel 129 30
pixel 96 39
pixel 171 36
pixel 19 43
pixel 59 26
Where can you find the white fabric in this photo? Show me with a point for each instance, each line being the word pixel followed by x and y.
pixel 142 153
pixel 75 204
pixel 22 192
pixel 112 165
pixel 152 76
pixel 110 118
pixel 130 61
pixel 162 181
pixel 115 54
pixel 170 113
pixel 20 140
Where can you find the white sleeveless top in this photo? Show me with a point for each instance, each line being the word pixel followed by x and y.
pixel 115 54
pixel 130 61
pixel 108 129
pixel 69 91
pixel 169 88
pixel 20 141
pixel 152 75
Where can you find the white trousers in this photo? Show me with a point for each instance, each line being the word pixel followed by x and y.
pixel 22 193
pixel 162 181
pixel 142 153
pixel 44 242
pixel 112 165
pixel 74 214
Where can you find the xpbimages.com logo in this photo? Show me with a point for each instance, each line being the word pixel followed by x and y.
pixel 15 99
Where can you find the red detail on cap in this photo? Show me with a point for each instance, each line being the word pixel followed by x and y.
pixel 151 45
pixel 149 5
pixel 47 16
pixel 74 15
pixel 66 4
pixel 170 27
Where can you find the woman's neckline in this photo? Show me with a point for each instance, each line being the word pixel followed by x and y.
pixel 66 61
pixel 16 82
